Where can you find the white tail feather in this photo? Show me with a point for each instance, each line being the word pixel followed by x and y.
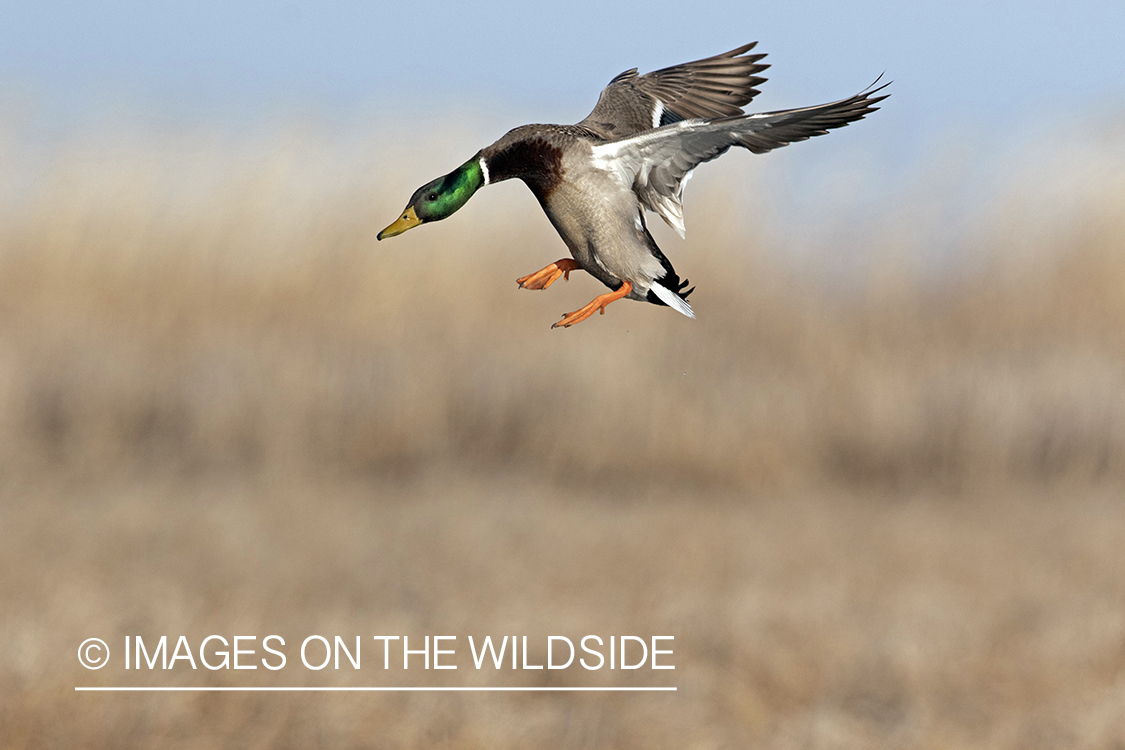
pixel 670 298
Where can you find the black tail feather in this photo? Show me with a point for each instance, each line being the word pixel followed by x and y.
pixel 670 279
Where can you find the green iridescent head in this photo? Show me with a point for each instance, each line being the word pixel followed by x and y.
pixel 440 198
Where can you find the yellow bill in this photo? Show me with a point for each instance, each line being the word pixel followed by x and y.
pixel 408 220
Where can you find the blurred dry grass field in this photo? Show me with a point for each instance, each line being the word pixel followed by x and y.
pixel 880 512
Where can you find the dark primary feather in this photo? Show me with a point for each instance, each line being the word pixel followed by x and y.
pixel 716 86
pixel 792 125
pixel 712 87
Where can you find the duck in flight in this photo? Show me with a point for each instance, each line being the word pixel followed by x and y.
pixel 635 151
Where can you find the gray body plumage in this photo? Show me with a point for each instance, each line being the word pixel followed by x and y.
pixel 636 150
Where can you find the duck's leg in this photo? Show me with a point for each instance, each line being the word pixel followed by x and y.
pixel 549 275
pixel 598 305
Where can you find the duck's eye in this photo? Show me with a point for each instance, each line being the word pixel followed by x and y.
pixel 431 197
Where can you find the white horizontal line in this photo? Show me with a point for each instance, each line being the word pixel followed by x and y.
pixel 367 689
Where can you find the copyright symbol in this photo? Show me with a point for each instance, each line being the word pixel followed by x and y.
pixel 93 653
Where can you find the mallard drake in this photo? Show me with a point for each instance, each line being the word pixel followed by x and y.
pixel 635 151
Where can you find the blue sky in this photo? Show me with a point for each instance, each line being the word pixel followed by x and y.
pixel 994 78
pixel 955 64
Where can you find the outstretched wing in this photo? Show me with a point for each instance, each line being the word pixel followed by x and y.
pixel 717 86
pixel 658 163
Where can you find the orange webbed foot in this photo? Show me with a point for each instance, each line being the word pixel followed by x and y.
pixel 598 305
pixel 544 278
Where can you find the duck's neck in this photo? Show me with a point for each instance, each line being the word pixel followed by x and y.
pixel 534 160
